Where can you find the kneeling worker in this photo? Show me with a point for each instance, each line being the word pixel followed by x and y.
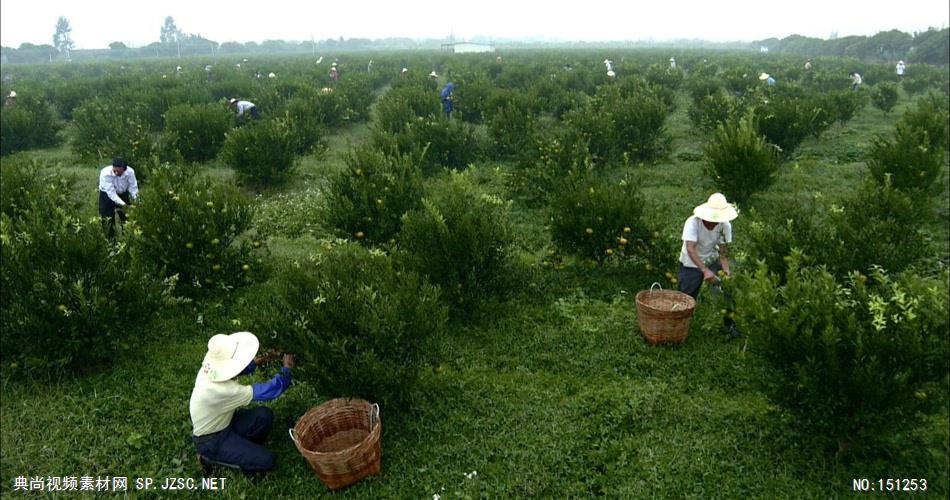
pixel 225 434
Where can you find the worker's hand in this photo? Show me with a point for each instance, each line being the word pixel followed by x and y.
pixel 710 277
pixel 288 360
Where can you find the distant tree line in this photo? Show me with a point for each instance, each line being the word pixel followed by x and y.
pixel 931 46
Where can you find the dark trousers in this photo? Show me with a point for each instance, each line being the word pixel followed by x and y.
pixel 691 282
pixel 239 446
pixel 108 209
pixel 255 113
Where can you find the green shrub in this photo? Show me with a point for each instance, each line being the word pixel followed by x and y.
pixel 557 151
pixel 437 143
pixel 197 131
pixel 306 123
pixel 105 129
pixel 884 96
pixel 931 115
pixel 786 119
pixel 619 128
pixel 599 219
pixel 844 104
pixel 741 162
pixel 261 152
pixel 511 129
pixel 359 327
pixel 664 76
pixel 28 124
pixel 877 226
pixel 70 300
pixel 857 360
pixel 462 241
pixel 404 105
pixel 910 160
pixel 189 227
pixel 367 200
pixel 711 110
pixel 922 77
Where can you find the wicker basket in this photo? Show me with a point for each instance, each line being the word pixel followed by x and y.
pixel 664 315
pixel 340 440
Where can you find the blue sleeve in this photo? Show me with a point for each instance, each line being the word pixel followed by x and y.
pixel 249 369
pixel 273 388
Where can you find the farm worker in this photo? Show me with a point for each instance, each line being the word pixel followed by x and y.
pixel 245 107
pixel 808 65
pixel 498 60
pixel 117 189
pixel 672 63
pixel 225 434
pixel 611 74
pixel 855 80
pixel 900 69
pixel 10 99
pixel 609 64
pixel 706 236
pixel 433 75
pixel 767 78
pixel 369 66
pixel 320 60
pixel 446 96
pixel 334 73
pixel 404 72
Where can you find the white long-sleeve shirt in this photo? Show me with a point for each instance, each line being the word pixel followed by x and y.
pixel 243 106
pixel 112 185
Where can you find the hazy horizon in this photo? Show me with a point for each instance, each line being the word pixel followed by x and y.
pixel 95 24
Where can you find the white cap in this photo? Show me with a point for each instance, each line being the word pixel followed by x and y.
pixel 271 75
pixel 405 70
pixel 177 68
pixel 433 75
pixel 232 100
pixel 672 59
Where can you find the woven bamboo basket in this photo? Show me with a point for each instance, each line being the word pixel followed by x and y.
pixel 340 440
pixel 664 315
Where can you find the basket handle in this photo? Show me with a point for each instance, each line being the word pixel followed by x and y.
pixel 292 437
pixel 373 416
pixel 655 284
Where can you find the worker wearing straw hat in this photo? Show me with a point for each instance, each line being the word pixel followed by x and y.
pixel 706 236
pixel 767 78
pixel 226 435
pixel 245 108
pixel 10 99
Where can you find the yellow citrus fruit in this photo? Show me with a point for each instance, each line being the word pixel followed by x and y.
pixel 359 235
pixel 61 308
pixel 610 251
pixel 674 280
pixel 209 204
pixel 359 171
pixel 626 230
pixel 216 267
pixel 257 244
pixel 189 245
pixel 623 241
pixel 245 268
pixel 215 241
pixel 589 231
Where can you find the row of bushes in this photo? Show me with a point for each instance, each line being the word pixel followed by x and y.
pixel 186 237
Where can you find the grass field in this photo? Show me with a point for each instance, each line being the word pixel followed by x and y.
pixel 551 393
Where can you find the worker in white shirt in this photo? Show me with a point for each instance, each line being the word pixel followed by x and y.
pixel 245 107
pixel 117 190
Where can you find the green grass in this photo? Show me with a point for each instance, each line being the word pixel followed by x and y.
pixel 551 393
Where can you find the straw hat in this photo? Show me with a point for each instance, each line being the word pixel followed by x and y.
pixel 716 209
pixel 229 355
pixel 404 70
pixel 900 62
pixel 764 76
pixel 232 100
pixel 271 75
pixel 12 93
pixel 433 75
pixel 672 59
pixel 611 73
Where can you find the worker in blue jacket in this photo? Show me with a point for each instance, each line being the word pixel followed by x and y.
pixel 446 96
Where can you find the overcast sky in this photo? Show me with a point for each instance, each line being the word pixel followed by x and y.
pixel 97 23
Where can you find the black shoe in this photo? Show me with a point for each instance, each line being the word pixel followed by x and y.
pixel 734 333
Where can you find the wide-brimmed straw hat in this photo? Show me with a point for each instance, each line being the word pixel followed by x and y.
pixel 611 73
pixel 433 75
pixel 716 209
pixel 764 76
pixel 229 355
pixel 12 93
pixel 404 70
pixel 232 100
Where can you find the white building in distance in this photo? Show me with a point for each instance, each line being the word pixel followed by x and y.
pixel 467 47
